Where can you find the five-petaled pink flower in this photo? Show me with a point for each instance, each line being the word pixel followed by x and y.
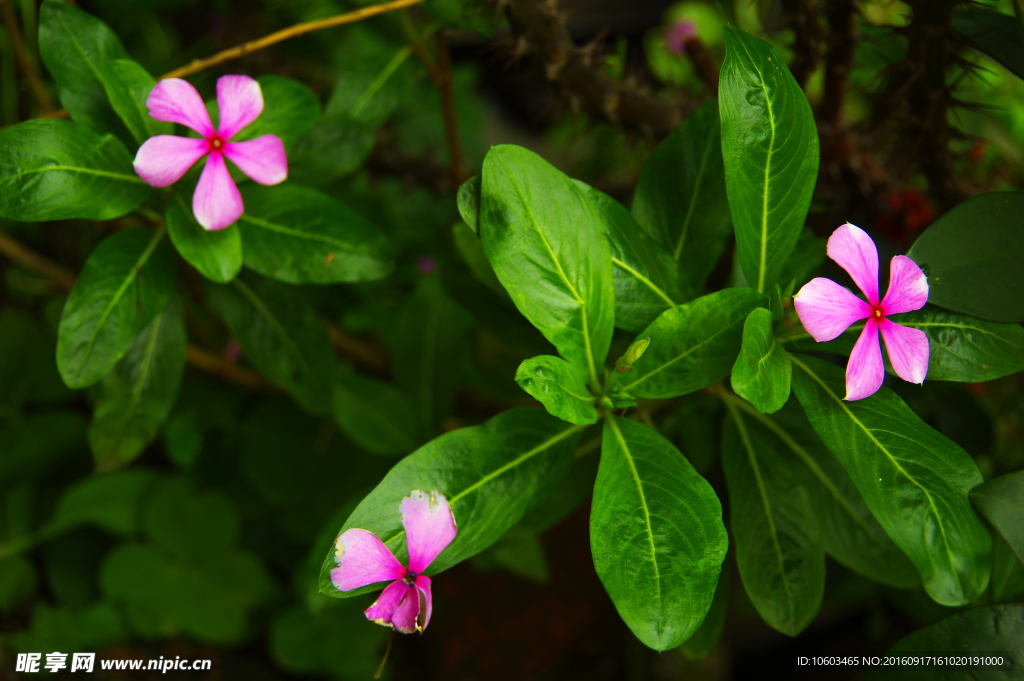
pixel 364 559
pixel 163 159
pixel 827 309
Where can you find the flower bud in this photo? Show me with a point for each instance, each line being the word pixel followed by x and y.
pixel 625 363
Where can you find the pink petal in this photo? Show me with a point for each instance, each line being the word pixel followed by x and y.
pixel 423 584
pixel 406 616
pixel 383 608
pixel 827 309
pixel 908 350
pixel 240 101
pixel 853 249
pixel 262 159
pixel 175 100
pixel 865 371
pixel 216 202
pixel 429 527
pixel 363 559
pixel 162 160
pixel 908 287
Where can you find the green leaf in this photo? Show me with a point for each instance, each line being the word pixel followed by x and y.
pixel 542 235
pixel 304 640
pixel 125 282
pixel 190 524
pixel 559 387
pixel 1001 502
pixel 704 640
pixel 376 415
pixel 17 582
pixel 281 337
pixel 302 236
pixel 770 150
pixel 334 147
pixel 469 203
pixel 472 251
pixel 993 631
pixel 762 372
pixel 807 256
pixel 112 501
pixel 490 474
pixel 972 257
pixel 76 47
pixel 680 197
pixel 646 280
pixel 134 399
pixel 289 110
pixel 51 169
pixel 993 33
pixel 914 480
pixel 128 86
pixel 656 534
pixel 1007 573
pixel 779 547
pixel 216 254
pixel 692 345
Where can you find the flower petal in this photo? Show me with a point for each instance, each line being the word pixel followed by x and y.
pixel 854 251
pixel 908 350
pixel 865 371
pixel 175 101
pixel 827 309
pixel 240 101
pixel 429 527
pixel 908 287
pixel 423 584
pixel 383 608
pixel 406 616
pixel 216 202
pixel 262 159
pixel 363 559
pixel 162 160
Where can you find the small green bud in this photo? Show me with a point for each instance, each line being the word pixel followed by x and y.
pixel 625 363
pixel 606 402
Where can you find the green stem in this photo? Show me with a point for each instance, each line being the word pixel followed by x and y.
pixel 381 78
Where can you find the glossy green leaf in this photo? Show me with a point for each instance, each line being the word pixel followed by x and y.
pixel 680 197
pixel 128 86
pixel 993 33
pixel 375 415
pixel 216 254
pixel 290 109
pixel 994 631
pixel 704 640
pixel 646 278
pixel 972 257
pixel 469 202
pixel 490 474
pixel 76 47
pixel 334 147
pixel 914 480
pixel 112 501
pixel 302 236
pixel 542 235
pixel 281 337
pixel 692 345
pixel 134 399
pixel 762 372
pixel 51 169
pixel 656 534
pixel 770 150
pixel 559 387
pixel 1001 502
pixel 779 548
pixel 125 282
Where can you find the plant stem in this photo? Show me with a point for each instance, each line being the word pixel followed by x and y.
pixel 381 78
pixel 451 128
pixel 23 58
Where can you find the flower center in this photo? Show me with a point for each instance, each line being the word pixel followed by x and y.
pixel 410 578
pixel 878 313
pixel 216 143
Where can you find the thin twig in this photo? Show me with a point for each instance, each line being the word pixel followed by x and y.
pixel 451 128
pixel 290 32
pixel 229 371
pixel 368 355
pixel 17 252
pixel 26 64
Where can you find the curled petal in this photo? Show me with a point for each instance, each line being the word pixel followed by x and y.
pixel 406 617
pixel 423 584
pixel 854 251
pixel 429 527
pixel 363 559
pixel 908 350
pixel 262 159
pixel 383 609
pixel 240 101
pixel 175 101
pixel 908 287
pixel 216 203
pixel 827 309
pixel 865 371
pixel 162 160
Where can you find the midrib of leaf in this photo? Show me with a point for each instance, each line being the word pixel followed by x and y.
pixel 143 377
pixel 678 357
pixel 765 502
pixel 644 280
pixel 647 514
pixel 72 169
pixel 931 503
pixel 277 327
pixel 296 233
pixel 693 197
pixel 78 48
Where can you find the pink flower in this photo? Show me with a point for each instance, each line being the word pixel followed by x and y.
pixel 677 34
pixel 163 159
pixel 364 559
pixel 827 309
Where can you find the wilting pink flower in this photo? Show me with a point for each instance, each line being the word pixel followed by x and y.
pixel 827 309
pixel 677 34
pixel 364 559
pixel 163 159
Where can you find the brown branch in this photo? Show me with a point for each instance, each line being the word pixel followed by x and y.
pixel 229 371
pixel 802 17
pixel 367 354
pixel 541 34
pixel 703 62
pixel 62 277
pixel 26 64
pixel 451 128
